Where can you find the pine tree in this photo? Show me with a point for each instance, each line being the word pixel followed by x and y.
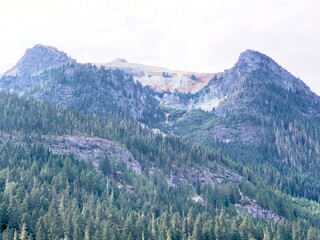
pixel 87 233
pixel 77 232
pixel 312 234
pixel 217 230
pixel 153 227
pixel 266 234
pixel 68 227
pixel 244 229
pixel 23 233
pixel 184 229
pixel 197 229
pixel 168 235
pixel 40 230
pixel 15 235
pixel 6 234
pixel 296 231
pixel 127 228
pixel 105 230
pixel 189 222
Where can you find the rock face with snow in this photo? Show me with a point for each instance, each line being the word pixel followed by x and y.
pixel 254 87
pixel 163 79
pixel 224 89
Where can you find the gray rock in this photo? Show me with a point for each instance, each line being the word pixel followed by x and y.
pixel 93 149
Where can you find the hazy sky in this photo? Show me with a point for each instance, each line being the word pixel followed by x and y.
pixel 198 35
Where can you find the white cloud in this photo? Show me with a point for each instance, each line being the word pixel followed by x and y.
pixel 194 35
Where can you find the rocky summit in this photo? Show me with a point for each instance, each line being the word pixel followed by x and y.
pixel 38 59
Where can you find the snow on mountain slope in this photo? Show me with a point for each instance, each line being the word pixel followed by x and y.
pixel 163 79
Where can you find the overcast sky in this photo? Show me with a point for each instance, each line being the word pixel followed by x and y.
pixel 196 35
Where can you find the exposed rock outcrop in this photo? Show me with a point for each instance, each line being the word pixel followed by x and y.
pixel 93 149
pixel 249 206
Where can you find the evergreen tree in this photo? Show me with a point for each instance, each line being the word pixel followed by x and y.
pixel 196 234
pixel 168 235
pixel 312 235
pixel 40 230
pixel 23 233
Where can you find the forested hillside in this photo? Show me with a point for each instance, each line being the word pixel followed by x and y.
pixel 53 196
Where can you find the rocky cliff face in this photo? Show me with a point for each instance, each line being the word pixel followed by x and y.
pixel 93 149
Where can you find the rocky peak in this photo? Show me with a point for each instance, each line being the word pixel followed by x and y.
pixel 38 59
pixel 250 60
pixel 119 60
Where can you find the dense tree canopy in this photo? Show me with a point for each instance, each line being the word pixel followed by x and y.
pixel 48 196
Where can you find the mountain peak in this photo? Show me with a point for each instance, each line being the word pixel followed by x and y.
pixel 251 60
pixel 249 53
pixel 119 60
pixel 38 59
pixel 43 47
pixel 44 54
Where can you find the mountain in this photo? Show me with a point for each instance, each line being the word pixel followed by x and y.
pixel 256 112
pixel 80 158
pixel 47 74
pixel 229 84
pixel 162 79
pixel 261 116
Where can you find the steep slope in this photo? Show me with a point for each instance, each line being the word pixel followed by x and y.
pixel 163 79
pixel 264 117
pixel 45 73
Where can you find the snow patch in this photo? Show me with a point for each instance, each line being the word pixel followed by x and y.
pixel 208 105
pixel 198 199
pixel 162 79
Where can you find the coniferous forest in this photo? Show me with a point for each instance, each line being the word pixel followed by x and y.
pixel 50 196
